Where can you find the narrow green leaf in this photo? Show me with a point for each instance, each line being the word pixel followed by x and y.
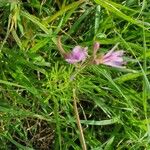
pixel 109 144
pixel 97 18
pixel 11 84
pixel 36 21
pixel 110 6
pixel 129 76
pixel 79 21
pixel 100 123
pixel 21 147
pixel 18 41
pixel 39 45
pixel 63 10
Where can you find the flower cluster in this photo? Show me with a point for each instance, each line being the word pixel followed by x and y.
pixel 79 54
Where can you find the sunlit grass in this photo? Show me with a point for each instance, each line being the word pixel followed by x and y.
pixel 38 87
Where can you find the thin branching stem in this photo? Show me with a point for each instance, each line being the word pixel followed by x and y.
pixel 82 139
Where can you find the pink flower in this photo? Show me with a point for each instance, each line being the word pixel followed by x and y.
pixel 78 54
pixel 112 58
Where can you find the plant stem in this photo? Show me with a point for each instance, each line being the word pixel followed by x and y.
pixel 82 139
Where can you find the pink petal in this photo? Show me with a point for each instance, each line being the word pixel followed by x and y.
pixel 72 61
pixel 115 59
pixel 78 54
pixel 77 49
pixel 113 64
pixel 109 53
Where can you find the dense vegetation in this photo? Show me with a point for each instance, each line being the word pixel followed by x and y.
pixel 39 90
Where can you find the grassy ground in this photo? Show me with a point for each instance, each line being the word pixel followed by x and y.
pixel 37 94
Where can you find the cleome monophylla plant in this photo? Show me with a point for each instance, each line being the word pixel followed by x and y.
pixel 80 55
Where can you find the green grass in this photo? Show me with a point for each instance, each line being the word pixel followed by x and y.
pixel 37 93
